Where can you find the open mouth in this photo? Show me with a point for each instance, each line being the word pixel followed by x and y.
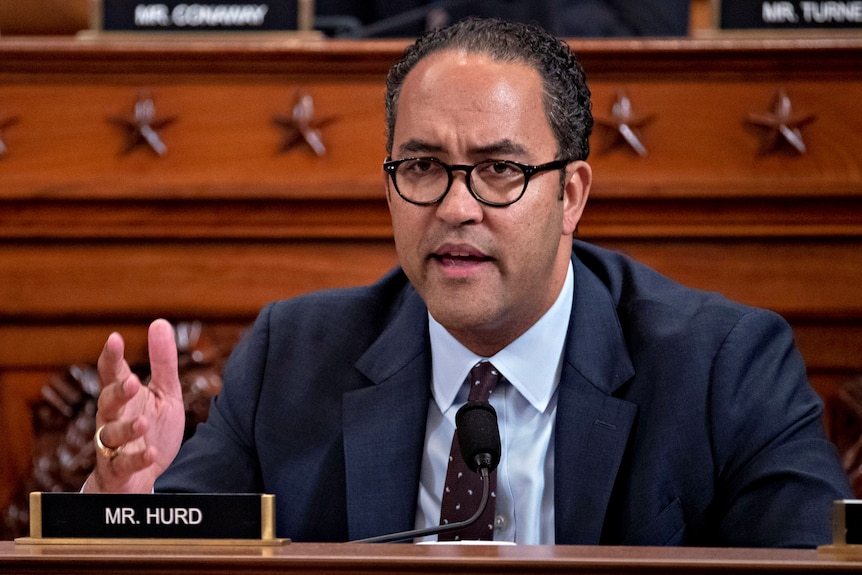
pixel 460 260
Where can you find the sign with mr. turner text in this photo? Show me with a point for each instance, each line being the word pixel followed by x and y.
pixel 790 14
pixel 151 516
pixel 220 16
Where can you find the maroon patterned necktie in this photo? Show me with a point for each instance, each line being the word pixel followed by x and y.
pixel 462 492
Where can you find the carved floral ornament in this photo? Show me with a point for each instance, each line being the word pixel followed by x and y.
pixel 781 127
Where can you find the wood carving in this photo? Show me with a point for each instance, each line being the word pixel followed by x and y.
pixel 781 125
pixel 5 122
pixel 847 430
pixel 302 126
pixel 625 124
pixel 64 419
pixel 142 129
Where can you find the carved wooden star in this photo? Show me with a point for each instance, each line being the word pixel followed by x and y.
pixel 5 123
pixel 781 125
pixel 143 127
pixel 302 126
pixel 625 124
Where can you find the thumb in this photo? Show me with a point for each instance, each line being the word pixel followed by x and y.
pixel 163 358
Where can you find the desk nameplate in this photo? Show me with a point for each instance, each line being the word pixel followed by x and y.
pixel 832 15
pixel 177 16
pixel 181 517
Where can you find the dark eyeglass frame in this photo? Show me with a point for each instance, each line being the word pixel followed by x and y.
pixel 390 166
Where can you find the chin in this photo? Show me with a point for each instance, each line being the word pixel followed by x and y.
pixel 454 315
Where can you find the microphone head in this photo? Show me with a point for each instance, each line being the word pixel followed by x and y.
pixel 478 435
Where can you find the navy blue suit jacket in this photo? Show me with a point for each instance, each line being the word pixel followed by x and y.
pixel 683 418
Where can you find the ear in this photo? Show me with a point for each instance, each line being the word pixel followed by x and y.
pixel 578 182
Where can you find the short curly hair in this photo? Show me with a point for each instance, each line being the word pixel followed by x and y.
pixel 566 94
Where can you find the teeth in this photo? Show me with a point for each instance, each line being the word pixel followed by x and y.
pixel 461 255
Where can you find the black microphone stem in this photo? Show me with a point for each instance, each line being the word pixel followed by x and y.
pixel 436 529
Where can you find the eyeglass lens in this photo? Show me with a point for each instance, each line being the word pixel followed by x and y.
pixel 425 180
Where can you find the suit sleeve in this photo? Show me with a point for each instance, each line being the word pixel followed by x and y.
pixel 220 457
pixel 777 473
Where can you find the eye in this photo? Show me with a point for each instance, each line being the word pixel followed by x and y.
pixel 499 169
pixel 420 167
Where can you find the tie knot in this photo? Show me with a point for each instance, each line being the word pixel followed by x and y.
pixel 483 378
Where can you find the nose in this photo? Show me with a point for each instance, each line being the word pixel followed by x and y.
pixel 459 206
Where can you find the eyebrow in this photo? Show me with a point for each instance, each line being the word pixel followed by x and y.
pixel 416 146
pixel 504 146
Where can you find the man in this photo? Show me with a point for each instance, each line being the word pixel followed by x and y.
pixel 632 410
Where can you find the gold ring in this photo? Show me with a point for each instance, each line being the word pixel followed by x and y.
pixel 107 452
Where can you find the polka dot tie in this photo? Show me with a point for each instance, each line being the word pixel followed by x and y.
pixel 462 492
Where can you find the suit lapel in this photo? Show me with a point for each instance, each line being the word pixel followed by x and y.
pixel 384 426
pixel 592 426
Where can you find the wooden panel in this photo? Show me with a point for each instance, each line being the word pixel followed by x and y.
pixel 203 280
pixel 222 219
pixel 335 558
pixel 783 275
pixel 43 16
pixel 222 143
pixel 700 144
pixel 17 394
pixel 112 280
pixel 93 240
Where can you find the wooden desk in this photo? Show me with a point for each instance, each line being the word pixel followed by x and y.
pixel 92 239
pixel 412 559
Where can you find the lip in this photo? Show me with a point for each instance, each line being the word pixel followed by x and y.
pixel 459 260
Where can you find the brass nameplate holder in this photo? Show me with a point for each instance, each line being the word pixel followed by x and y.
pixel 846 528
pixel 158 518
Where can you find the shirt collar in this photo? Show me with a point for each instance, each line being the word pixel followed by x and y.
pixel 535 380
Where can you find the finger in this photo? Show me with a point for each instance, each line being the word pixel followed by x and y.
pixel 128 462
pixel 112 364
pixel 122 474
pixel 117 434
pixel 163 359
pixel 114 397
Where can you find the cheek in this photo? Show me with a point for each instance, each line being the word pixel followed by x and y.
pixel 538 222
pixel 407 227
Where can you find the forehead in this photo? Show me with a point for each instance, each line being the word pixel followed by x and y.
pixel 465 77
pixel 463 96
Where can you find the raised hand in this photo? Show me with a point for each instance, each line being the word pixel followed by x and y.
pixel 139 427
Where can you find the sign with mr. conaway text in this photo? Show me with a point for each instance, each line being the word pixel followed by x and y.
pixel 220 16
pixel 790 14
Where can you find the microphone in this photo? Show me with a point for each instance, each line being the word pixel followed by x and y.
pixel 478 436
pixel 479 440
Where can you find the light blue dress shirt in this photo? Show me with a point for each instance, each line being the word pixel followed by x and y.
pixel 526 405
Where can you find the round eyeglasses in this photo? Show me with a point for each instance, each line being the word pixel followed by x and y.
pixel 498 183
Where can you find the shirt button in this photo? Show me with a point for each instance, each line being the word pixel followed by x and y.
pixel 500 522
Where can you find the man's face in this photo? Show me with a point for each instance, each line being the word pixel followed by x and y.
pixel 486 273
